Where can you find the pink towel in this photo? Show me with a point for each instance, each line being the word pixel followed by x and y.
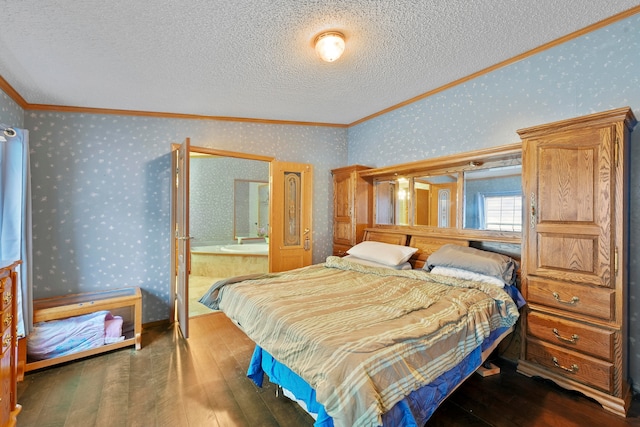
pixel 112 329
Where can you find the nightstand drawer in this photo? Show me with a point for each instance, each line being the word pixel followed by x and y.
pixel 585 369
pixel 597 342
pixel 582 299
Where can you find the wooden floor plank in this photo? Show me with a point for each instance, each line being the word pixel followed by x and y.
pixel 172 382
pixel 56 405
pixel 33 394
pixel 88 394
pixel 142 390
pixel 114 404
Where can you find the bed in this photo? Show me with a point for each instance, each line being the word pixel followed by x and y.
pixel 365 340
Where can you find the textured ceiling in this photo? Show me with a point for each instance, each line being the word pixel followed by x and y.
pixel 254 58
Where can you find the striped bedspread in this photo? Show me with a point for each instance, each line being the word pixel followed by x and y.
pixel 365 337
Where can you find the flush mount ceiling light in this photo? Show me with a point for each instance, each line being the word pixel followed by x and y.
pixel 330 45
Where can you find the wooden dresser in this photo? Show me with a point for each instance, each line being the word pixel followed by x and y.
pixel 352 207
pixel 575 253
pixel 9 409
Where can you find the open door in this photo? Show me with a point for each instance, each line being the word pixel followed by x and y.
pixel 180 247
pixel 290 236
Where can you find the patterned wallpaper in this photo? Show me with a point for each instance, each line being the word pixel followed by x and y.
pixel 593 73
pixel 10 113
pixel 211 204
pixel 101 193
pixel 101 183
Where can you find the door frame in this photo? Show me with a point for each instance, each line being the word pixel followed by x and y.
pixel 174 214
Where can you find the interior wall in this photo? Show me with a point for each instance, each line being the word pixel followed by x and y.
pixel 211 204
pixel 101 193
pixel 596 72
pixel 11 114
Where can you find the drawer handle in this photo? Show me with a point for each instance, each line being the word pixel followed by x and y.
pixel 7 341
pixel 573 369
pixel 574 300
pixel 574 338
pixel 7 298
pixel 7 320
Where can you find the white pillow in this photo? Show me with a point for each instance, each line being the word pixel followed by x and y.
pixel 384 253
pixel 403 266
pixel 467 275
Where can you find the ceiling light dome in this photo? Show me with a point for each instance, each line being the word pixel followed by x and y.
pixel 330 46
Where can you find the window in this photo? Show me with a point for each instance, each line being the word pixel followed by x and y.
pixel 503 212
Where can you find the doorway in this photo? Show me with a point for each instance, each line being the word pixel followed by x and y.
pixel 227 220
pixel 286 239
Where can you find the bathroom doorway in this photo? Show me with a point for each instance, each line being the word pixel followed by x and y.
pixel 286 238
pixel 228 219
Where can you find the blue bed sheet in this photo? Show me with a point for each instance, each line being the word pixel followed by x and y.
pixel 414 410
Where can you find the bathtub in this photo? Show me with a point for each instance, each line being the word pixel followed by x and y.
pixel 230 260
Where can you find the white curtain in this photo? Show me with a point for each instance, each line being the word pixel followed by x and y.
pixel 15 217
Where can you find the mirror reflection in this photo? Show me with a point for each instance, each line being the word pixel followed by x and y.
pixel 435 200
pixel 392 201
pixel 250 208
pixel 493 198
pixel 385 193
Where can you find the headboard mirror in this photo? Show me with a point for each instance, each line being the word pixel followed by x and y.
pixel 493 198
pixel 468 194
pixel 435 200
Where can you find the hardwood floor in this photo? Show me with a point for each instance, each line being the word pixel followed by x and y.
pixel 202 382
pixel 198 286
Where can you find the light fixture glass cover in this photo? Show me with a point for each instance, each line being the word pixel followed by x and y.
pixel 330 46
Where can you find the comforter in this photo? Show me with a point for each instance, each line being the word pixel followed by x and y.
pixel 365 337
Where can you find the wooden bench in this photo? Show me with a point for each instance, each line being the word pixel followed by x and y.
pixel 125 302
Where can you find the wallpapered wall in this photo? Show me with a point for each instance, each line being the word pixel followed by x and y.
pixel 593 73
pixel 101 193
pixel 101 183
pixel 10 113
pixel 211 204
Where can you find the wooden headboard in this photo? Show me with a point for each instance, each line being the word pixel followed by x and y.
pixel 429 243
pixel 384 236
pixel 426 244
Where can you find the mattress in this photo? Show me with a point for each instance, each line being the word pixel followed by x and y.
pixel 413 410
pixel 365 338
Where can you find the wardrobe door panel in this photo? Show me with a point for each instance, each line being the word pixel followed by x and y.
pixel 570 205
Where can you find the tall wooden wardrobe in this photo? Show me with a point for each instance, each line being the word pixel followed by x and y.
pixel 575 255
pixel 352 207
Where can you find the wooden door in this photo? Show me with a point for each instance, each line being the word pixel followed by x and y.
pixel 291 236
pixel 343 223
pixel 568 184
pixel 443 210
pixel 181 244
pixel 423 206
